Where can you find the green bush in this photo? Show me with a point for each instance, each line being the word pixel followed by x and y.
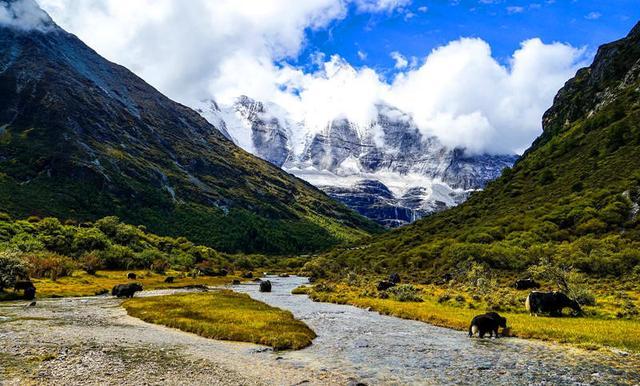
pixel 120 257
pixel 90 239
pixel 12 267
pixel 49 265
pixel 404 293
pixel 91 262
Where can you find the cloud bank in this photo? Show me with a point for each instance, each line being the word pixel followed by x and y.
pixel 227 48
pixel 24 15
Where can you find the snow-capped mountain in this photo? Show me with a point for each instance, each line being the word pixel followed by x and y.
pixel 387 170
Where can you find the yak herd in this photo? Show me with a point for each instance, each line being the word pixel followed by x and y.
pixel 537 302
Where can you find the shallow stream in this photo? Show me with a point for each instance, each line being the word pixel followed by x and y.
pixel 378 349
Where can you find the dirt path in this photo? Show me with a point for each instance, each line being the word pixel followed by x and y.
pixel 93 341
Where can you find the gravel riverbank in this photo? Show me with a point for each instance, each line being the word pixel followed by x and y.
pixel 92 340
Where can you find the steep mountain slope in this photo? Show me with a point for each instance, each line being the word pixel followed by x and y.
pixel 81 138
pixel 573 196
pixel 386 170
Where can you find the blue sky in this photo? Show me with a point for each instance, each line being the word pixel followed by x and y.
pixel 416 29
pixel 319 60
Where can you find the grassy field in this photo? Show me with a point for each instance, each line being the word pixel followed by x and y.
pixel 224 315
pixel 586 332
pixel 83 284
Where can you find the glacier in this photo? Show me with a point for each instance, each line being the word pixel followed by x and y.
pixel 386 170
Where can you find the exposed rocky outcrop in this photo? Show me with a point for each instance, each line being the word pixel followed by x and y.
pixel 387 171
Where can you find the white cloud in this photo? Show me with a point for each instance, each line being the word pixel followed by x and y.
pixel 423 9
pixel 593 16
pixel 172 45
pixel 24 14
pixel 401 61
pixel 458 92
pixel 515 9
pixel 362 55
pixel 464 96
pixel 380 5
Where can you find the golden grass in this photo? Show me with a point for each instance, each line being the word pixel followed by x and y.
pixel 224 315
pixel 83 284
pixel 586 332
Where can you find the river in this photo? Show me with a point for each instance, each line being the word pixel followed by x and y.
pixel 379 349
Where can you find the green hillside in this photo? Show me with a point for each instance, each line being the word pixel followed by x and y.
pixel 82 138
pixel 572 198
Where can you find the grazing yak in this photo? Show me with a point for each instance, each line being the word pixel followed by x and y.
pixel 132 276
pixel 385 285
pixel 169 279
pixel 394 278
pixel 550 303
pixel 28 287
pixel 526 284
pixel 487 323
pixel 265 286
pixel 126 290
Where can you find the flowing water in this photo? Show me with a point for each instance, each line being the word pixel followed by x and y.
pixel 378 349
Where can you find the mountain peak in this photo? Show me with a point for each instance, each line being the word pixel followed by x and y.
pixel 84 138
pixel 24 15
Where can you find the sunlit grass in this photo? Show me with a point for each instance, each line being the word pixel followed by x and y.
pixel 224 315
pixel 83 284
pixel 586 332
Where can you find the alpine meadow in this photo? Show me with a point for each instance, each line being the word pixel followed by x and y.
pixel 327 192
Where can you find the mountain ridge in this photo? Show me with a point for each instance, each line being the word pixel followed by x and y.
pixel 423 175
pixel 572 198
pixel 82 138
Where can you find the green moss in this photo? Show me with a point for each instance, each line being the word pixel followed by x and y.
pixel 233 316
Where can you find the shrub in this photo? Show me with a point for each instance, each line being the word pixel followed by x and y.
pixel 444 298
pixel 405 293
pixel 481 237
pixel 90 239
pixel 183 261
pixel 160 266
pixel 591 226
pixel 126 235
pixel 565 277
pixel 481 278
pixel 49 265
pixel 108 225
pixel 146 258
pixel 91 262
pixel 12 267
pixel 546 177
pixel 323 287
pixel 25 242
pixel 118 257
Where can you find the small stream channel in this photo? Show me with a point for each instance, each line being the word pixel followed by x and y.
pixel 378 349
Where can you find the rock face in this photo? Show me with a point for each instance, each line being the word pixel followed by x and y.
pixel 387 171
pixel 82 138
